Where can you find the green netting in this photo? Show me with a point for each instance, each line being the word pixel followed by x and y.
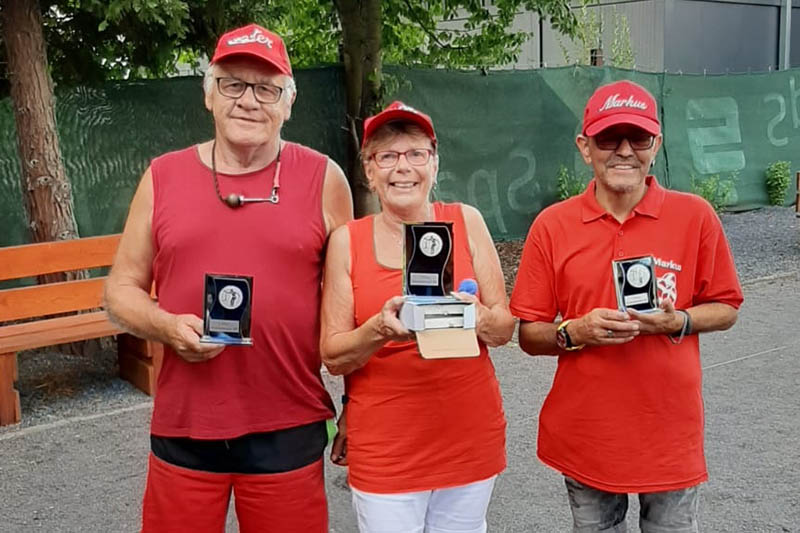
pixel 503 136
pixel 732 127
pixel 108 136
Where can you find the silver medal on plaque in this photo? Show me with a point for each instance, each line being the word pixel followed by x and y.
pixel 227 305
pixel 635 284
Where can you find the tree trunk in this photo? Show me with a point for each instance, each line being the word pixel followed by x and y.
pixel 46 192
pixel 361 50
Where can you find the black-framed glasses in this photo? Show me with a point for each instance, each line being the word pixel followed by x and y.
pixel 610 140
pixel 414 156
pixel 264 93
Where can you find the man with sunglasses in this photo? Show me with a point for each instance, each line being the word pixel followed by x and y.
pixel 625 411
pixel 243 420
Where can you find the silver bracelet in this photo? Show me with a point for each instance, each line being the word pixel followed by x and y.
pixel 686 328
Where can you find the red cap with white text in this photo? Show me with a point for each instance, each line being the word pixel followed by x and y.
pixel 397 110
pixel 254 41
pixel 621 102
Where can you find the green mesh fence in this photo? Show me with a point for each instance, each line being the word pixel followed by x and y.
pixel 732 127
pixel 503 136
pixel 109 135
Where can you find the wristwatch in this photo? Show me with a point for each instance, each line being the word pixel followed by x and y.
pixel 563 340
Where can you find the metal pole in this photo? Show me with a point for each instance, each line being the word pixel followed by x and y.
pixel 541 40
pixel 784 47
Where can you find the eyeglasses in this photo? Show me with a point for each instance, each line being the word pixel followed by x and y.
pixel 389 158
pixel 264 93
pixel 611 140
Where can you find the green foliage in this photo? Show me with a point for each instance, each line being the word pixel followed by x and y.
pixel 94 40
pixel 310 29
pixel 622 55
pixel 588 36
pixel 778 177
pixel 715 190
pixel 568 184
pixel 89 41
pixel 462 34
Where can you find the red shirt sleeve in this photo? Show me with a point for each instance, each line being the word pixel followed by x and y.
pixel 716 279
pixel 534 296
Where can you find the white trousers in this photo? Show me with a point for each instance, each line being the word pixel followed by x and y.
pixel 456 509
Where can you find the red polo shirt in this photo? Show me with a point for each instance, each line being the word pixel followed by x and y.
pixel 626 418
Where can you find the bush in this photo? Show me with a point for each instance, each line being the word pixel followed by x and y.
pixel 568 184
pixel 778 181
pixel 715 190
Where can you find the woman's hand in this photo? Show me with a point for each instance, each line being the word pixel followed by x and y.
pixel 339 447
pixel 481 311
pixel 493 327
pixel 388 323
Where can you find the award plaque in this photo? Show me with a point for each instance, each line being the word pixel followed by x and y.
pixel 635 284
pixel 428 259
pixel 226 309
pixel 444 326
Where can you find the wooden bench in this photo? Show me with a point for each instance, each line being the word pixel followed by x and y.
pixel 139 360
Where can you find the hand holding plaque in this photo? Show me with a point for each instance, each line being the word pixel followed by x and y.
pixel 227 307
pixel 635 284
pixel 444 325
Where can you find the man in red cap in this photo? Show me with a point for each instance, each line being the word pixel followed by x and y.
pixel 625 411
pixel 243 420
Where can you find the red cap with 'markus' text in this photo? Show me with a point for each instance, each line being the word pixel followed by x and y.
pixel 621 102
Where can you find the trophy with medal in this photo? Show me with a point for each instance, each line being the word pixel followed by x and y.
pixel 444 325
pixel 227 303
pixel 635 284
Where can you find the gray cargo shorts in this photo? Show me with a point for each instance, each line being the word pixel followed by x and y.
pixel 593 510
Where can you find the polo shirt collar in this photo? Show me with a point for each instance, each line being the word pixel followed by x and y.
pixel 649 205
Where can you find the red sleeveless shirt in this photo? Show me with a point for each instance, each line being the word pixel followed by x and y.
pixel 276 383
pixel 415 424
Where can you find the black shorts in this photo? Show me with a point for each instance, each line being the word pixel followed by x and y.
pixel 255 453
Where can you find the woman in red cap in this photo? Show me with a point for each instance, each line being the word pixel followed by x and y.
pixel 425 437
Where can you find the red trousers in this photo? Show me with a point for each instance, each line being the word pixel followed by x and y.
pixel 178 500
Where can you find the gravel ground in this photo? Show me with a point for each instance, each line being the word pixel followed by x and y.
pixel 52 385
pixel 765 242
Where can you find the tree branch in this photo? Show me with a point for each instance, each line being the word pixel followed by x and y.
pixel 430 32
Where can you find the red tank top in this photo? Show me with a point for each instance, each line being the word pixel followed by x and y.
pixel 415 424
pixel 276 383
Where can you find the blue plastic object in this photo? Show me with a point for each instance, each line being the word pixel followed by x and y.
pixel 468 285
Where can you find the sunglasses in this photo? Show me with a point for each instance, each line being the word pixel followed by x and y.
pixel 611 140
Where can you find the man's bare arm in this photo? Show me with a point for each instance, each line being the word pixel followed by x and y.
pixel 337 200
pixel 127 290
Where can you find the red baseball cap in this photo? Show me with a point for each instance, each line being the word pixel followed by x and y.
pixel 254 41
pixel 621 102
pixel 397 110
